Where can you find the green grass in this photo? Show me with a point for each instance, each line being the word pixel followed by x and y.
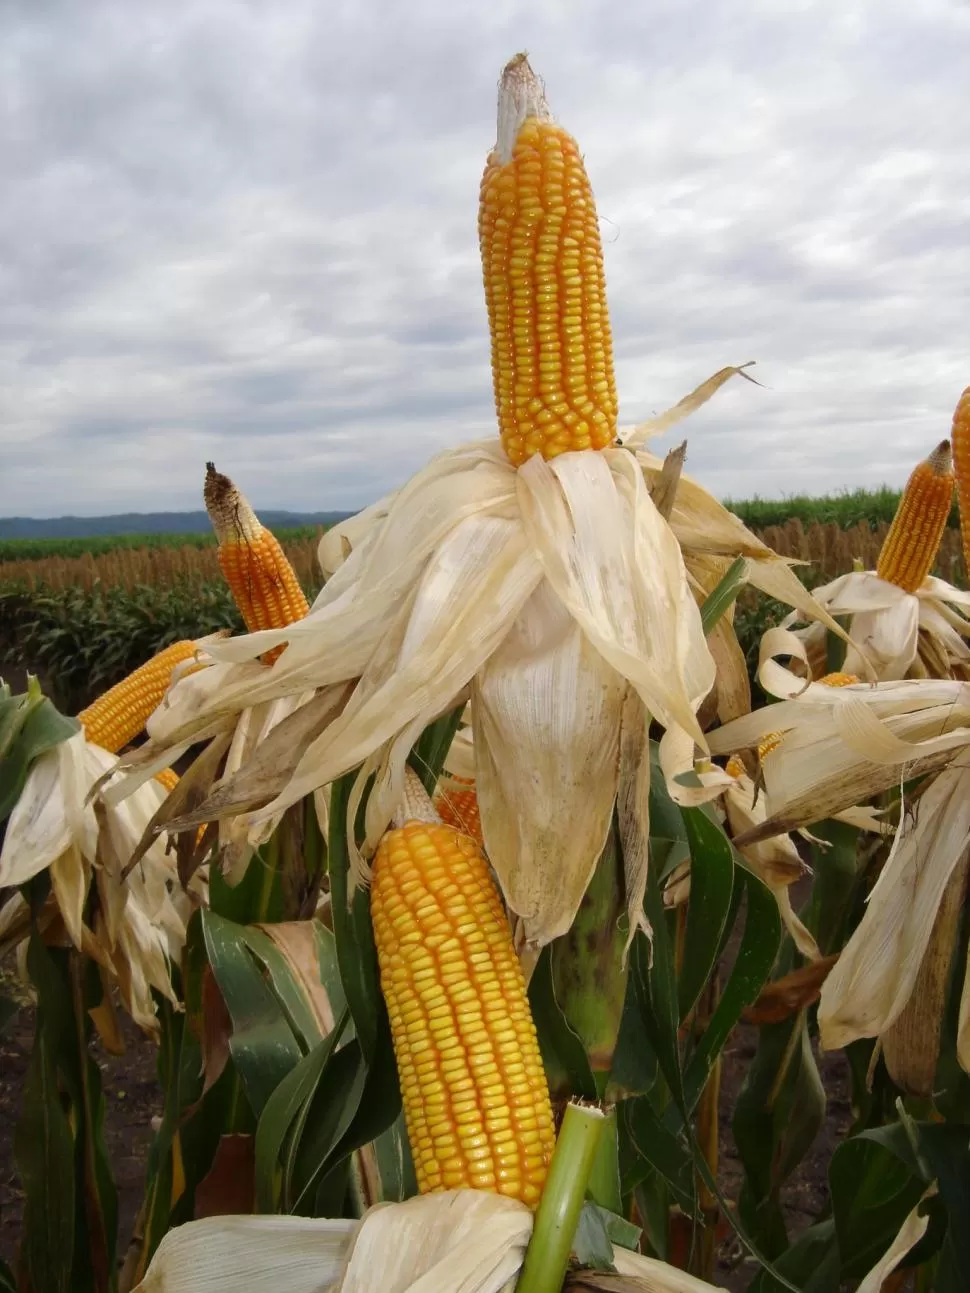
pixel 846 509
pixel 96 545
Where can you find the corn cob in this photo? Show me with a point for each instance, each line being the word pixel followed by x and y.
pixel 476 1101
pixel 458 806
pixel 910 547
pixel 960 439
pixel 545 287
pixel 168 779
pixel 263 583
pixel 116 717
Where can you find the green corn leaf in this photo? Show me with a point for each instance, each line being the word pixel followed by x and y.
pixel 563 1055
pixel 262 1045
pixel 353 933
pixel 873 1191
pixel 44 1154
pixel 282 1108
pixel 656 1149
pixel 431 749
pixel 711 888
pixel 756 955
pixel 779 1112
pixel 726 592
pixel 317 1134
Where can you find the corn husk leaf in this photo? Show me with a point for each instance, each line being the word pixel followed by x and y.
pixel 615 565
pixel 843 745
pixel 484 563
pixel 699 396
pixel 460 1241
pixel 873 980
pixel 546 712
pixel 249 1255
pixel 776 861
pixel 910 1233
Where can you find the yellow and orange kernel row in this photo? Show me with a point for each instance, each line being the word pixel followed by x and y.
pixel 457 806
pixel 116 717
pixel 910 547
pixel 545 291
pixel 476 1100
pixel 960 440
pixel 262 581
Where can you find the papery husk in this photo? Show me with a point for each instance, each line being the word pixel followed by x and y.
pixel 637 1274
pixel 249 1255
pixel 58 825
pixel 546 713
pixel 456 1241
pixel 842 745
pixel 874 978
pixel 615 565
pixel 907 1237
pixel 911 1046
pixel 634 437
pixel 775 861
pixel 901 634
pixel 459 1240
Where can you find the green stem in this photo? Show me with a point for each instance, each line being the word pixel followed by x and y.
pixel 604 1177
pixel 562 1200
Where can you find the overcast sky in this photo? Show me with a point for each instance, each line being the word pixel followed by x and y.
pixel 247 232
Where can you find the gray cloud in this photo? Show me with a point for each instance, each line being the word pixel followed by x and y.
pixel 248 233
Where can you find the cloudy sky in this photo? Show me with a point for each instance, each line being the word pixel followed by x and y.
pixel 247 232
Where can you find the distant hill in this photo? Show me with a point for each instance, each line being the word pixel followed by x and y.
pixel 85 527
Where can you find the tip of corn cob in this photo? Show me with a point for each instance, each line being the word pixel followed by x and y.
pixel 941 459
pixel 416 804
pixel 521 95
pixel 229 510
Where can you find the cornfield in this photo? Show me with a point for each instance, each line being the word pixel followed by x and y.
pixel 131 568
pixel 831 550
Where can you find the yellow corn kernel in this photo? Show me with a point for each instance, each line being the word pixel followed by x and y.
pixel 839 679
pixel 116 717
pixel 545 286
pixel 263 583
pixel 913 541
pixel 476 1101
pixel 960 440
pixel 168 779
pixel 458 806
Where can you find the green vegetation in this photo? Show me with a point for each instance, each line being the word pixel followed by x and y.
pixel 81 643
pixel 98 544
pixel 871 506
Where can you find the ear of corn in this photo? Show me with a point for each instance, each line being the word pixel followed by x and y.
pixel 168 779
pixel 960 440
pixel 545 288
pixel 913 541
pixel 476 1101
pixel 115 718
pixel 261 579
